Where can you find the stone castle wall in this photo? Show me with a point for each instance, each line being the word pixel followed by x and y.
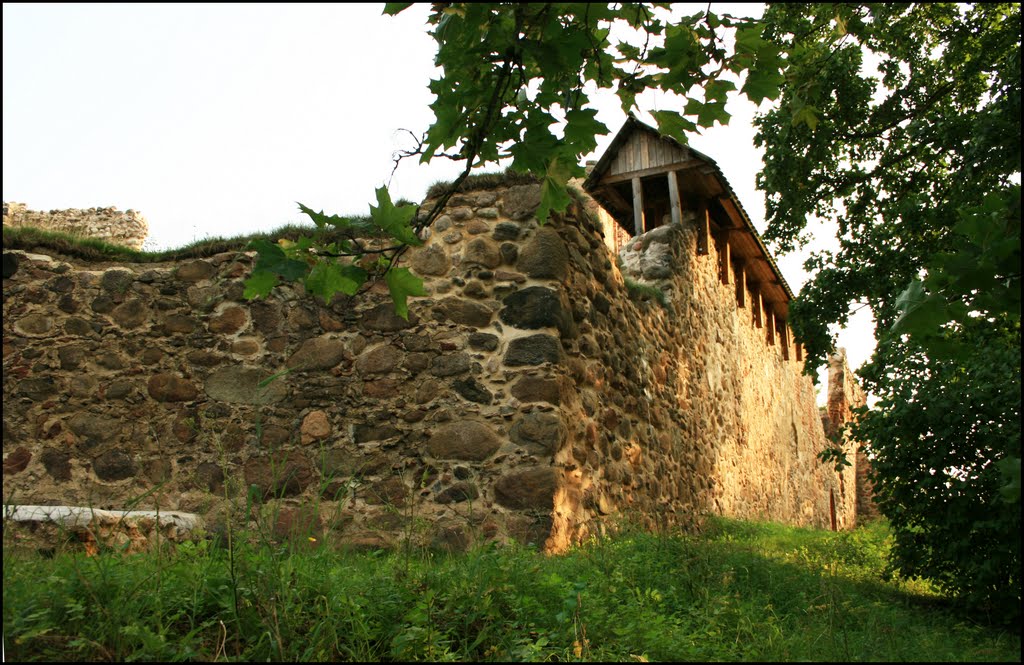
pixel 127 228
pixel 529 396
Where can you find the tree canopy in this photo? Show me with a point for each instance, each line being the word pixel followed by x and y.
pixel 896 157
pixel 919 166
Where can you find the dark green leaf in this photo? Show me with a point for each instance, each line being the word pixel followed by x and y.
pixel 672 124
pixel 402 284
pixel 1009 467
pixel 327 278
pixel 718 90
pixel 761 85
pixel 321 220
pixel 582 128
pixel 393 8
pixel 259 284
pixel 394 220
pixel 533 153
pixel 272 258
pixel 805 115
pixel 554 196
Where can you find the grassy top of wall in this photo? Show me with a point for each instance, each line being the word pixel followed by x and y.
pixel 476 181
pixel 31 239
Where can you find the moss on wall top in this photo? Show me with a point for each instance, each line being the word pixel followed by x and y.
pixel 477 181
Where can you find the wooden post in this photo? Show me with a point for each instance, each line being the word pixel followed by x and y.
pixel 673 195
pixel 799 351
pixel 757 307
pixel 724 260
pixel 769 320
pixel 741 285
pixel 638 207
pixel 703 228
pixel 832 509
pixel 784 339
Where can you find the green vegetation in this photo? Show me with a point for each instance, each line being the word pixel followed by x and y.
pixel 934 434
pixel 919 167
pixel 29 238
pixel 645 292
pixel 899 159
pixel 505 178
pixel 740 591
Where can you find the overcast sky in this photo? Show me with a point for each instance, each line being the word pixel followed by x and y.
pixel 215 119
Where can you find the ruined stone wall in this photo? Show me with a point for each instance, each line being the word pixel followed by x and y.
pixel 127 228
pixel 845 395
pixel 529 396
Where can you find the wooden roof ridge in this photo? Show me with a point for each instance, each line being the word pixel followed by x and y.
pixel 633 124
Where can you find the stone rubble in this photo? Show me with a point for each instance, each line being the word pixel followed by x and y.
pixel 128 228
pixel 128 531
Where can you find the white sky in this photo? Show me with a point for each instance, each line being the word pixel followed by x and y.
pixel 215 119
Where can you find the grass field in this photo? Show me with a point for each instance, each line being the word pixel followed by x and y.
pixel 739 591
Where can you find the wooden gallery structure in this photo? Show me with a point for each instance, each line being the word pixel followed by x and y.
pixel 645 180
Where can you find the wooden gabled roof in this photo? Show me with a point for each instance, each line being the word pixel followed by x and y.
pixel 700 179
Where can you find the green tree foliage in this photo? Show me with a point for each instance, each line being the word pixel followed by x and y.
pixel 919 165
pixel 893 158
pixel 937 433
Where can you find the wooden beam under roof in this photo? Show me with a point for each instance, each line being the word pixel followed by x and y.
pixel 741 284
pixel 724 260
pixel 703 229
pixel 735 218
pixel 648 172
pixel 615 198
